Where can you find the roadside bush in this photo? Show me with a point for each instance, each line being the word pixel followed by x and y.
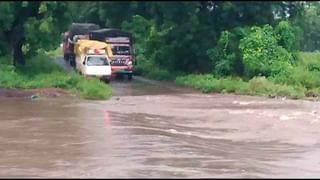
pixel 232 85
pixel 54 53
pixel 55 79
pixel 142 65
pixel 5 60
pixel 226 57
pixel 261 86
pixel 314 92
pixel 41 72
pixel 260 50
pixel 39 64
pixel 281 72
pixel 160 74
pixel 287 38
pixel 150 70
pixel 94 89
pixel 206 83
pixel 256 86
pixel 308 79
pixel 310 60
pixel 223 59
pixel 305 73
pixel 9 78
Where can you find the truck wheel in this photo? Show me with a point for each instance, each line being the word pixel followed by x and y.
pixel 72 63
pixel 71 60
pixel 65 57
pixel 130 76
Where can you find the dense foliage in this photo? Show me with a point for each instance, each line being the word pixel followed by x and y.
pixel 220 38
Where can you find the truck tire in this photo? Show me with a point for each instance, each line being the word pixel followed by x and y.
pixel 130 76
pixel 66 57
pixel 72 61
pixel 106 80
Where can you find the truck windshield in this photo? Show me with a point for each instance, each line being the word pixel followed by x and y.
pixel 97 61
pixel 121 50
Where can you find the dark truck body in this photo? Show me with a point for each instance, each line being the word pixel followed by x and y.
pixel 121 43
pixel 70 37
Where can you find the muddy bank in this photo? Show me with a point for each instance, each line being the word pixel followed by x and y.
pixel 35 93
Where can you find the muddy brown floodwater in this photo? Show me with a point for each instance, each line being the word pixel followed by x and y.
pixel 157 130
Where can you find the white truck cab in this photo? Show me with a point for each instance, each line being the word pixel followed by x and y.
pixel 94 64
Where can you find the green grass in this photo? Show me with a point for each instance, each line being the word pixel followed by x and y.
pixel 54 53
pixel 149 70
pixel 307 58
pixel 42 72
pixel 94 89
pixel 39 65
pixel 258 86
pixel 302 81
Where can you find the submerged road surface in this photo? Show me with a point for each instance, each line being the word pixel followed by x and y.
pixel 158 130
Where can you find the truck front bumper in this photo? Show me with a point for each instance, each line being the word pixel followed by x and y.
pixel 122 69
pixel 99 76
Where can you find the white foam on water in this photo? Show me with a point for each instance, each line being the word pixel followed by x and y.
pixel 284 118
pixel 173 131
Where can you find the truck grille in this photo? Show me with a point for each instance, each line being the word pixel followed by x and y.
pixel 118 62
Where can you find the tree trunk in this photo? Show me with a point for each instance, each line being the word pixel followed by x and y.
pixel 18 57
pixel 17 39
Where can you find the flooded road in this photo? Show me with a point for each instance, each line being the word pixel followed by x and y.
pixel 158 130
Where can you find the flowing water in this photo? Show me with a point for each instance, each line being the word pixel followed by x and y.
pixel 158 130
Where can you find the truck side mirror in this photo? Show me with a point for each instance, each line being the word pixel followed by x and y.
pixel 84 62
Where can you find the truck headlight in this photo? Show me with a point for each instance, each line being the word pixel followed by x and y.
pixel 129 63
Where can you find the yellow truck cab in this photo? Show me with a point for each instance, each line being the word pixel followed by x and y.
pixel 92 59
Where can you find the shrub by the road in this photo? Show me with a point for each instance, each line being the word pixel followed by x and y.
pixel 41 72
pixel 295 82
pixel 256 86
pixel 150 70
pixel 93 88
pixel 272 65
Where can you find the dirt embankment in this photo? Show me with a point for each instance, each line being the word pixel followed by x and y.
pixel 41 92
pixel 33 93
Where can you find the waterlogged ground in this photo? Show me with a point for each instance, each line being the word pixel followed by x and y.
pixel 152 130
pixel 158 130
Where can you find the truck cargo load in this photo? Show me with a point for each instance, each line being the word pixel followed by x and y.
pixel 84 45
pixel 108 34
pixel 81 29
pixel 76 31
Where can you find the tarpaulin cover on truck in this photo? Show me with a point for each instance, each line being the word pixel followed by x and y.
pixel 102 34
pixel 81 29
pixel 83 45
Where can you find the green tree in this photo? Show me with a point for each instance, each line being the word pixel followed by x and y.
pixel 261 50
pixel 35 24
pixel 309 24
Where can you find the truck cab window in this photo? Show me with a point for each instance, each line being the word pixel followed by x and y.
pixel 97 61
pixel 120 50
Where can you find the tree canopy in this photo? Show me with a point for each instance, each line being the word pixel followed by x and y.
pixel 190 37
